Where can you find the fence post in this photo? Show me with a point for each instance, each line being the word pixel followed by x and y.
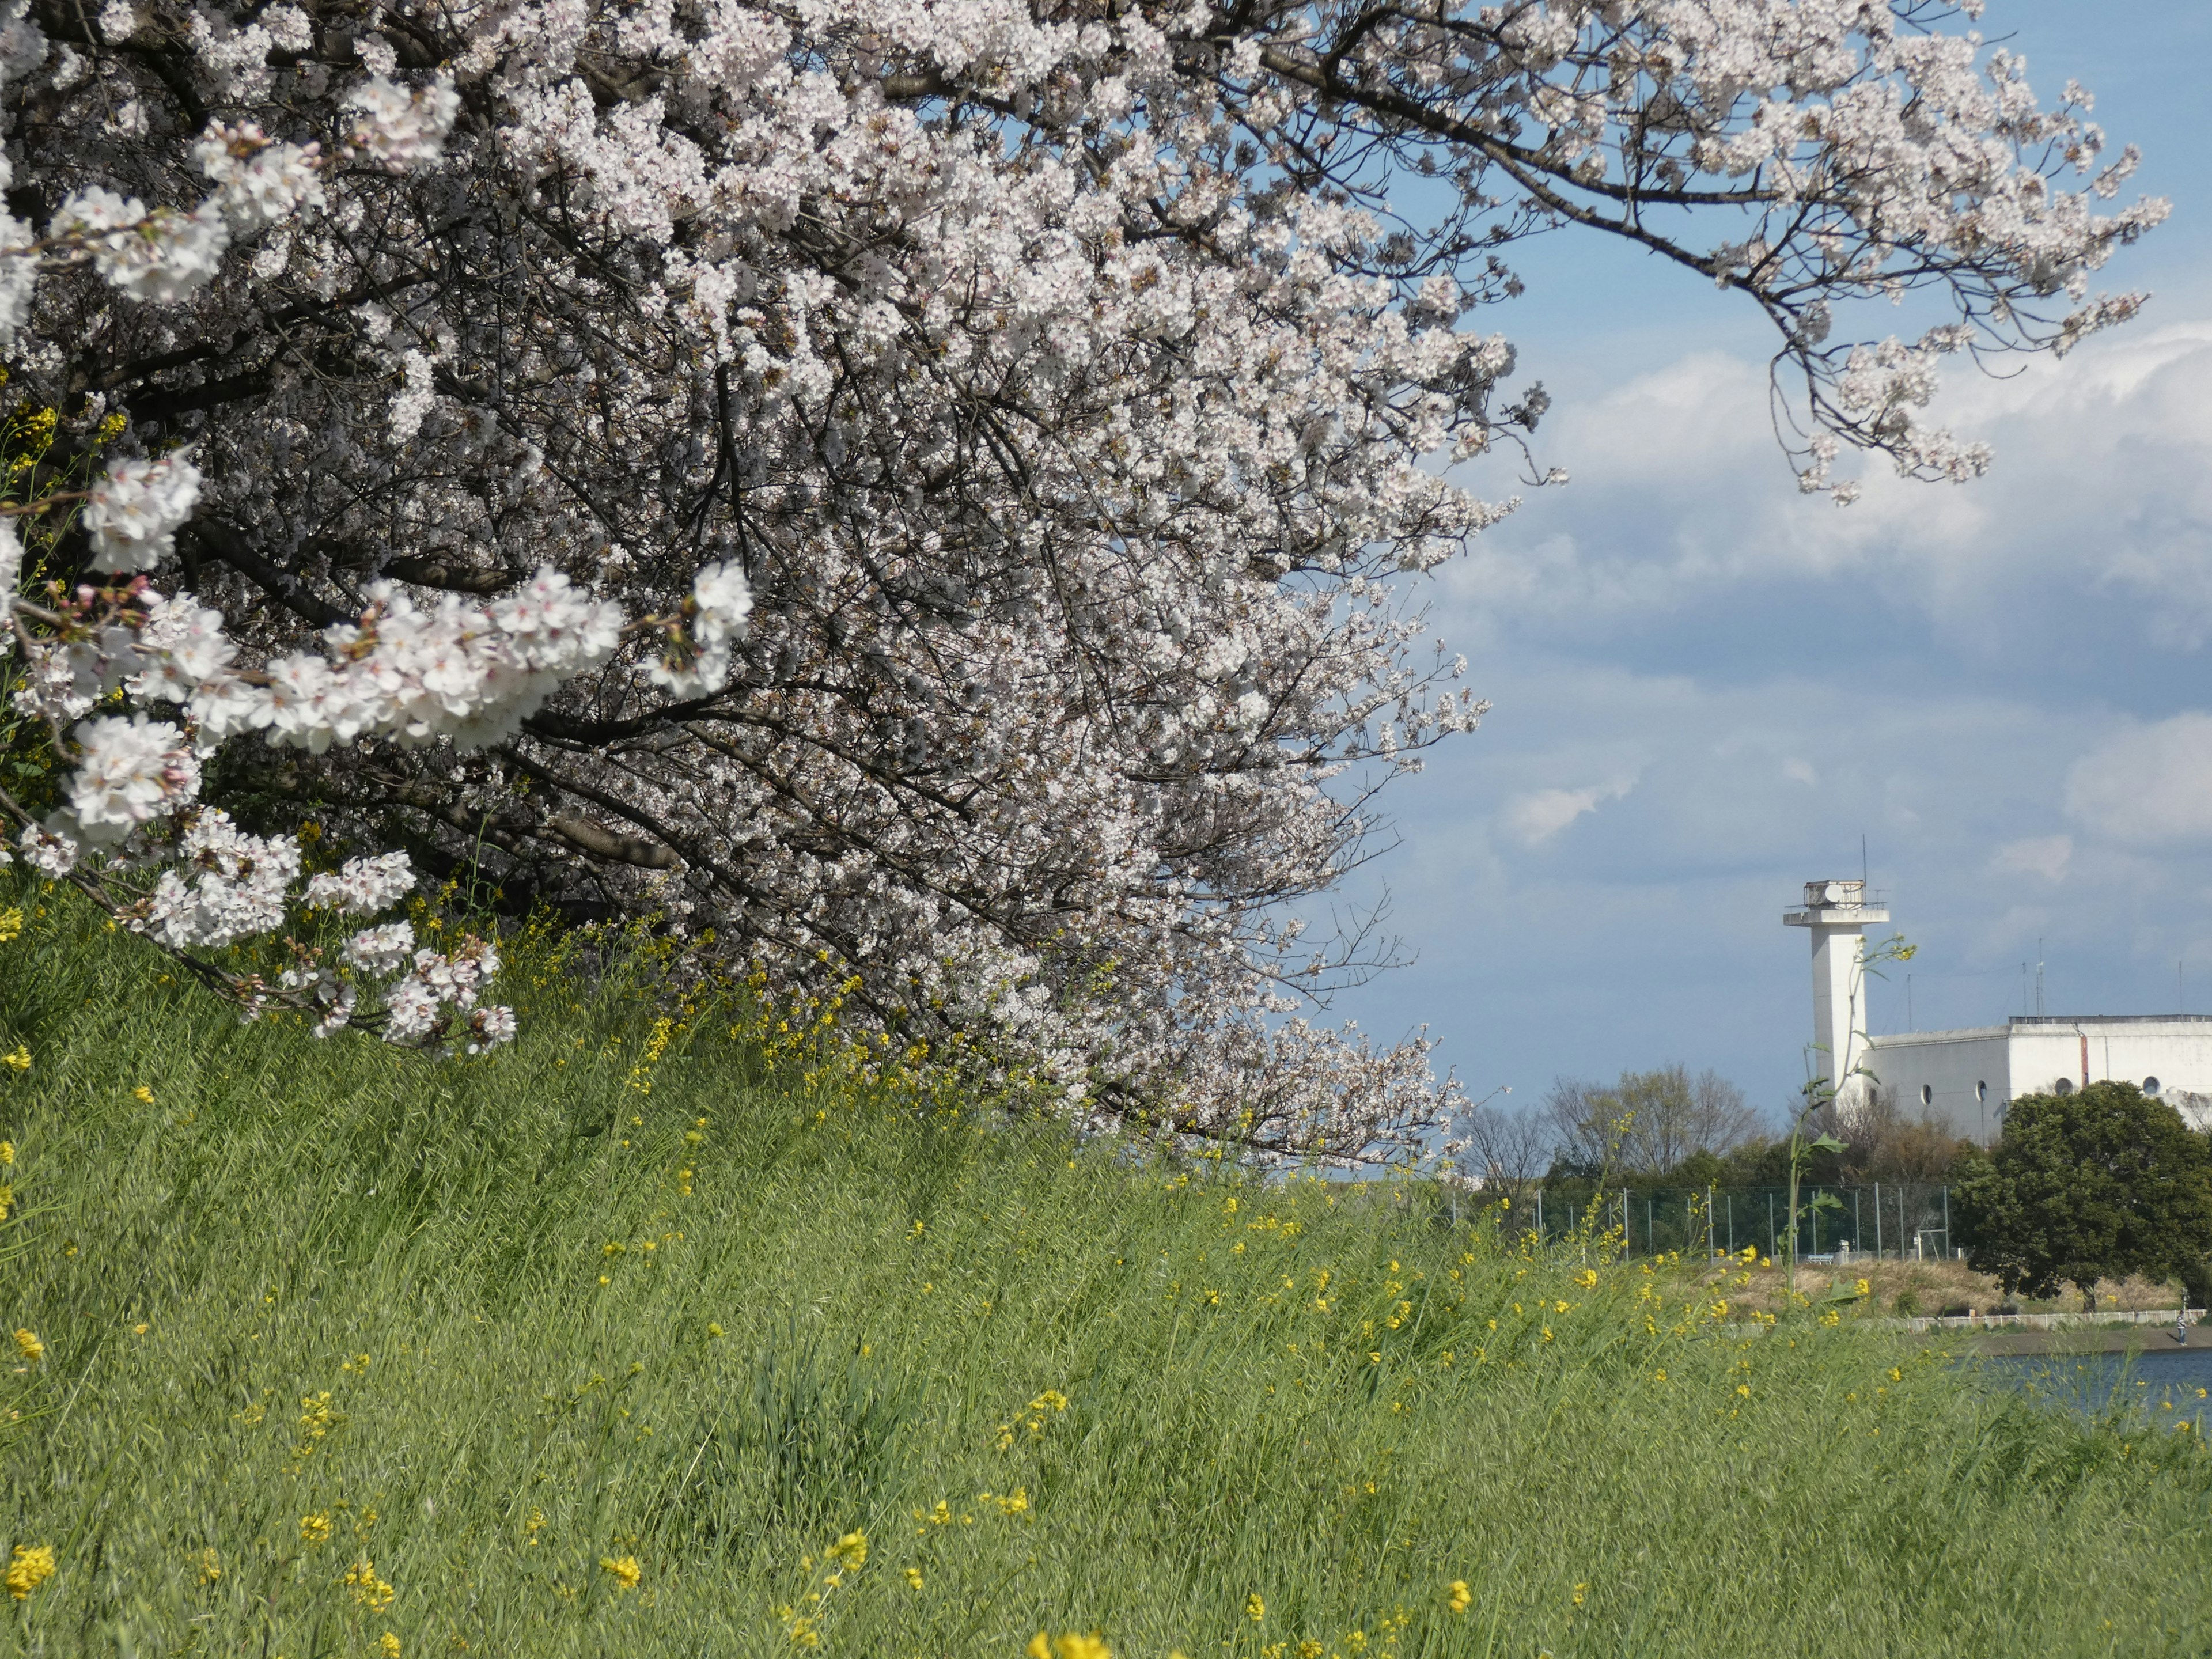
pixel 1877 1221
pixel 1769 1250
pixel 1859 1228
pixel 1947 1224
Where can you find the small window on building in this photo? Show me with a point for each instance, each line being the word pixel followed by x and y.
pixel 1927 1095
pixel 2150 1086
pixel 1982 1091
pixel 2064 1086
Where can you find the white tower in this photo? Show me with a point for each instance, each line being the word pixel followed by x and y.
pixel 1836 913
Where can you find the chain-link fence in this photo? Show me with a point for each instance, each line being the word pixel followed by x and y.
pixel 1907 1220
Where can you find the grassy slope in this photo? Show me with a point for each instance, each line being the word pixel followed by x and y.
pixel 893 1289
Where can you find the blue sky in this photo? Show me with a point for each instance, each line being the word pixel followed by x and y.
pixel 1708 686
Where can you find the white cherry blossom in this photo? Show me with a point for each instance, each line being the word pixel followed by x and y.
pixel 926 495
pixel 135 509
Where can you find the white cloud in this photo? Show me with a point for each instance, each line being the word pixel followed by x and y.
pixel 1798 770
pixel 1533 818
pixel 2046 856
pixel 2101 494
pixel 2148 786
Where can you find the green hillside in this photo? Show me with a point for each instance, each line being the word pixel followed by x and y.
pixel 601 1344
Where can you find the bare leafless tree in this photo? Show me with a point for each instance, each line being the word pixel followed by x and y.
pixel 1649 1122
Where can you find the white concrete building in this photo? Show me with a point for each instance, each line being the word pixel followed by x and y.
pixel 1963 1080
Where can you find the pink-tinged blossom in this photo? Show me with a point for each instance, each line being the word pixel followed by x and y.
pixel 721 600
pixel 130 770
pixel 400 128
pixel 264 182
pixel 379 949
pixel 51 855
pixel 161 254
pixel 490 1027
pixel 364 886
pixel 135 509
pixel 11 568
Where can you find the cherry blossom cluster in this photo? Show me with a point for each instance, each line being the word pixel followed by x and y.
pixel 922 497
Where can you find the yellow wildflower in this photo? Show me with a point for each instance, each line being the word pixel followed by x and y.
pixel 142 1095
pixel 372 1592
pixel 1254 1608
pixel 851 1549
pixel 20 1060
pixel 11 923
pixel 28 1342
pixel 1581 1590
pixel 1071 1645
pixel 1458 1600
pixel 622 1569
pixel 914 1577
pixel 7 1151
pixel 33 1566
pixel 211 1566
pixel 388 1646
pixel 315 1528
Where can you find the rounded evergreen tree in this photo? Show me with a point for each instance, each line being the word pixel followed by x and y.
pixel 2094 1184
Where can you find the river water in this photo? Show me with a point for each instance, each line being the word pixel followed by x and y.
pixel 2165 1387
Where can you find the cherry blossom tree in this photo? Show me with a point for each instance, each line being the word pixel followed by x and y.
pixel 916 497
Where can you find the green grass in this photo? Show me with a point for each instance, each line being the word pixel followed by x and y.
pixel 544 1387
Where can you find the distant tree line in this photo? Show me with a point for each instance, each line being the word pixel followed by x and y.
pixel 1668 1127
pixel 2099 1183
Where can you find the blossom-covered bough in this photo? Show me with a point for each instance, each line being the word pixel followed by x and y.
pixel 913 495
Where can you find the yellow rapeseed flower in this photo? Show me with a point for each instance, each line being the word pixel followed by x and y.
pixel 1071 1645
pixel 33 1566
pixel 388 1646
pixel 11 924
pixel 28 1342
pixel 7 1151
pixel 1254 1608
pixel 315 1528
pixel 211 1566
pixel 622 1569
pixel 851 1549
pixel 914 1577
pixel 142 1095
pixel 20 1060
pixel 1458 1600
pixel 372 1592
